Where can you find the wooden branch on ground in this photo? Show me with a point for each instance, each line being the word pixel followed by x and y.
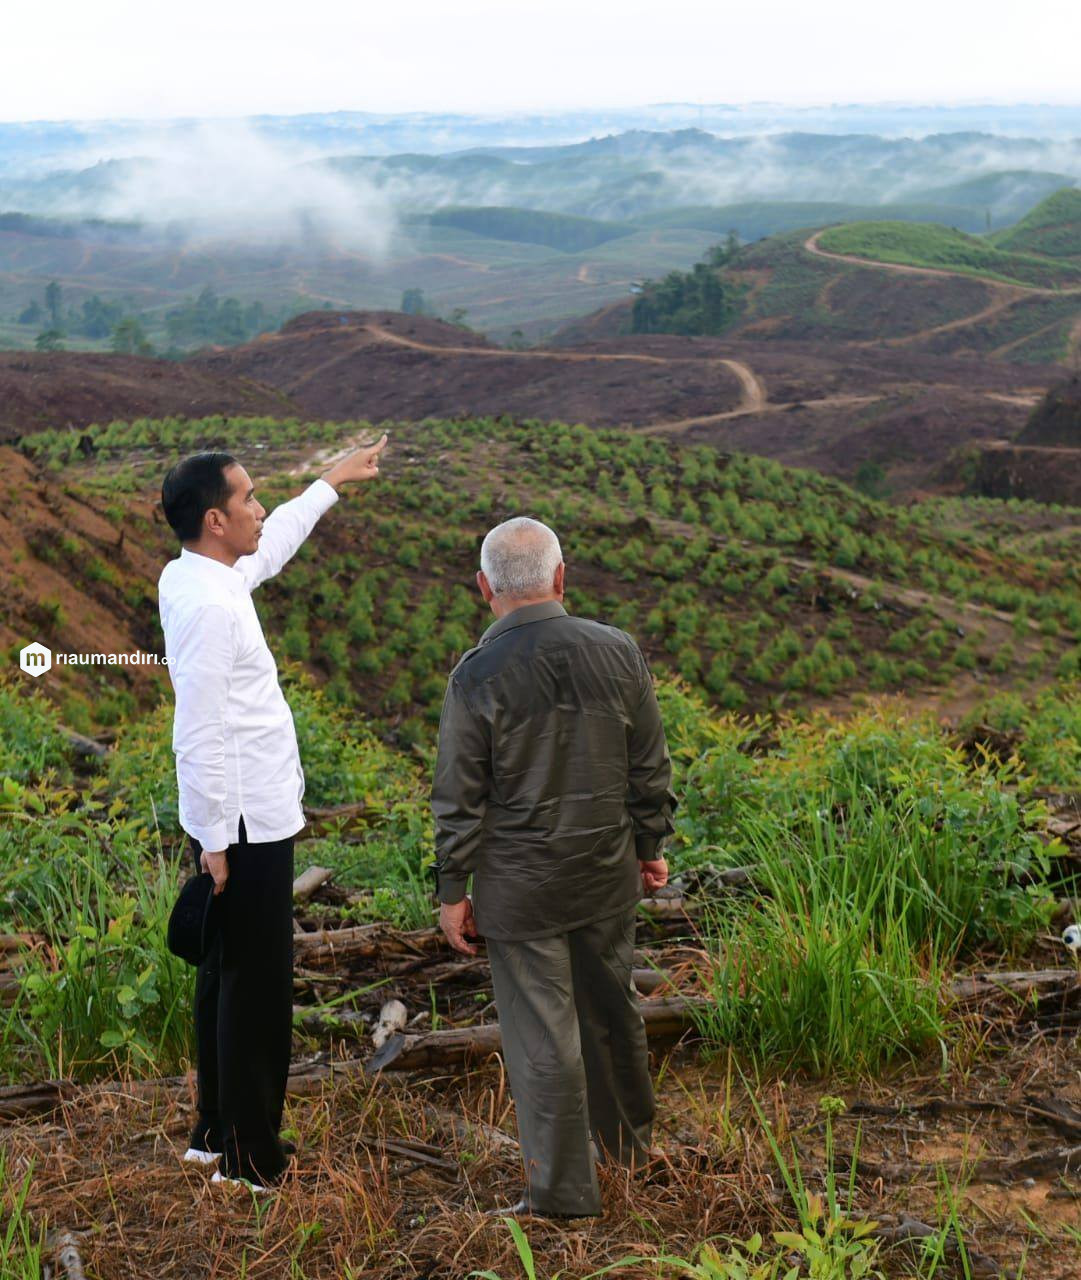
pixel 65 1249
pixel 309 881
pixel 322 819
pixel 82 745
pixel 331 948
pixel 911 1231
pixel 1054 1112
pixel 1024 984
pixel 475 1131
pixel 665 1020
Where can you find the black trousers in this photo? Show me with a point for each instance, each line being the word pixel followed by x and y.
pixel 244 1013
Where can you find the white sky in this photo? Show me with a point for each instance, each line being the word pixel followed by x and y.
pixel 141 58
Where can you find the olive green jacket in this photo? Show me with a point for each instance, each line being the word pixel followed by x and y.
pixel 553 776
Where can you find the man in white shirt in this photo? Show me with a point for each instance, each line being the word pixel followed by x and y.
pixel 241 784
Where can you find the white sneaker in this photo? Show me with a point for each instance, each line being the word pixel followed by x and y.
pixel 195 1155
pixel 220 1177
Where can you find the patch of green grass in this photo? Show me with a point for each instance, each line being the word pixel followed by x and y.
pixel 1052 229
pixel 927 245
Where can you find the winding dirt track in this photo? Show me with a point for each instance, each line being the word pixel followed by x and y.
pixel 812 246
pixel 1003 295
pixel 752 391
pixel 754 395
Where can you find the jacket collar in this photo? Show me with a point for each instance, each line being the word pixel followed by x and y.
pixel 526 614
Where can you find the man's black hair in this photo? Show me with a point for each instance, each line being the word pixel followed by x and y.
pixel 191 488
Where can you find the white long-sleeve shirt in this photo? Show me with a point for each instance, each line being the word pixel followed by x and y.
pixel 233 735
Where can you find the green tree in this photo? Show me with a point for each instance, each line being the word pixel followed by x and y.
pixel 33 313
pixel 52 303
pixel 128 338
pixel 871 480
pixel 50 340
pixel 413 302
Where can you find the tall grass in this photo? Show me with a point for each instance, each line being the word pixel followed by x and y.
pixel 104 993
pixel 879 859
pixel 22 1248
pixel 836 966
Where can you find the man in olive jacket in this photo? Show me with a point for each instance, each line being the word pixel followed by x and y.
pixel 553 790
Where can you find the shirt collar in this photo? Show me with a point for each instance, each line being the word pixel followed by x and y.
pixel 526 614
pixel 193 561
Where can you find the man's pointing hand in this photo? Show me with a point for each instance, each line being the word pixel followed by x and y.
pixel 456 920
pixel 361 464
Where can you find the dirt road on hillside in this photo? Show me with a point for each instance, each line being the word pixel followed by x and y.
pixel 1003 296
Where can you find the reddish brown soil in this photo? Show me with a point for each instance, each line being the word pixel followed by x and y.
pixel 827 405
pixel 70 388
pixel 1042 473
pixel 75 581
pixel 384 365
pixel 1057 419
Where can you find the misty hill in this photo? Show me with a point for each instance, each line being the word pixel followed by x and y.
pixel 639 173
pixel 1006 196
pixel 1052 229
pixel 531 226
pixel 475 230
pixel 753 220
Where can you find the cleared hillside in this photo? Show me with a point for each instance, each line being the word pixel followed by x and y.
pixel 61 389
pixel 761 586
pixel 934 247
pixel 800 285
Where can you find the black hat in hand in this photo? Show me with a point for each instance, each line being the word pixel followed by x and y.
pixel 195 919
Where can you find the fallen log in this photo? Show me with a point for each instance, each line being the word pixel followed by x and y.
pixel 339 818
pixel 1056 1113
pixel 82 745
pixel 69 1262
pixel 331 948
pixel 473 1131
pixel 1023 983
pixel 328 948
pixel 309 881
pixel 665 1019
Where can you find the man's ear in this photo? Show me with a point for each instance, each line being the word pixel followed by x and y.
pixel 213 522
pixel 557 581
pixel 483 586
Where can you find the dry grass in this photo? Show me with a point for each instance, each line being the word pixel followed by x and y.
pixel 389 1183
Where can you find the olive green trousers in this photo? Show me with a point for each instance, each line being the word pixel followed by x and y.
pixel 575 1049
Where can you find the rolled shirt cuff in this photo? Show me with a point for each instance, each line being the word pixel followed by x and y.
pixel 451 888
pixel 648 848
pixel 214 838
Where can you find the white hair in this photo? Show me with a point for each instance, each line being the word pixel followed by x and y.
pixel 520 557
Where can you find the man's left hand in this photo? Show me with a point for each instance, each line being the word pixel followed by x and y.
pixel 456 920
pixel 361 464
pixel 654 875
